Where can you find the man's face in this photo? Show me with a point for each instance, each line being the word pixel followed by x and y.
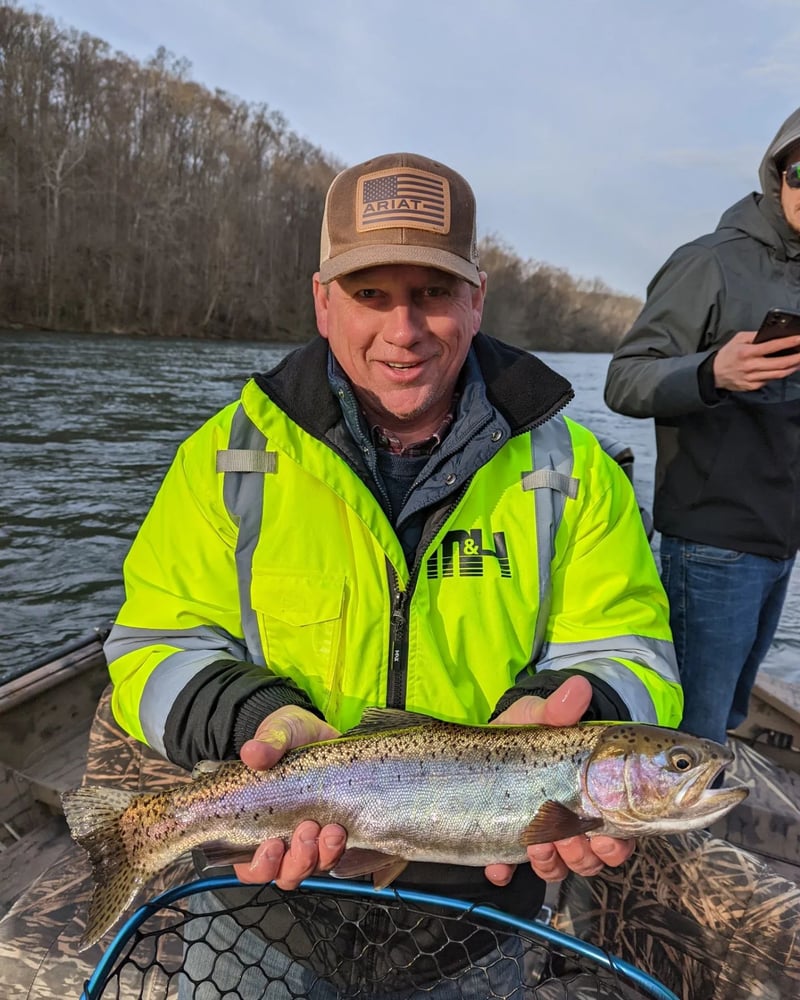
pixel 401 334
pixel 790 203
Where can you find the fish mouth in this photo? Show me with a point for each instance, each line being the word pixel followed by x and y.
pixel 714 803
pixel 696 786
pixel 697 791
pixel 696 796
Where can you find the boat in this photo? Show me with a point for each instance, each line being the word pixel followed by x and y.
pixel 711 914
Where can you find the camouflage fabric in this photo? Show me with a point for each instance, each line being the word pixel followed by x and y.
pixel 705 918
pixel 770 815
pixel 39 936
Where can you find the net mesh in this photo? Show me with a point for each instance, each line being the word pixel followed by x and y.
pixel 285 945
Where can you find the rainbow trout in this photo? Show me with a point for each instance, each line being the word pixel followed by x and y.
pixel 407 788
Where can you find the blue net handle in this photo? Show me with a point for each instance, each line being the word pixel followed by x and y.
pixel 647 984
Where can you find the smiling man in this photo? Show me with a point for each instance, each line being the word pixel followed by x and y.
pixel 396 515
pixel 401 334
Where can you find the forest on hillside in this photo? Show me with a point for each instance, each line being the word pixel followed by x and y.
pixel 134 199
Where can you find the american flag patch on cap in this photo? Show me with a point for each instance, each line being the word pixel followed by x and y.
pixel 403 197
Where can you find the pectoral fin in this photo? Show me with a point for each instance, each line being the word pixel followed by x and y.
pixel 555 821
pixel 384 868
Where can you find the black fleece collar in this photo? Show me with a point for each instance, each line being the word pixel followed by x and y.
pixel 524 389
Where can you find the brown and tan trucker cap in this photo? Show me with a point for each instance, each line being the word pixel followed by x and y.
pixel 400 208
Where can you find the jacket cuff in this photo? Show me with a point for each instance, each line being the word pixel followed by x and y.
pixel 220 708
pixel 709 393
pixel 258 706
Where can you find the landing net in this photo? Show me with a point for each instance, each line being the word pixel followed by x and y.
pixel 323 943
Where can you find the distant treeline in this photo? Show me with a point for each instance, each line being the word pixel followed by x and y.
pixel 134 199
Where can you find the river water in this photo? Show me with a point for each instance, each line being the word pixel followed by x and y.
pixel 89 427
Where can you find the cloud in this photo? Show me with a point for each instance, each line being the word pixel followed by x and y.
pixel 594 133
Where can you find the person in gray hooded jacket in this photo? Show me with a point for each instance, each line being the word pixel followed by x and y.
pixel 727 418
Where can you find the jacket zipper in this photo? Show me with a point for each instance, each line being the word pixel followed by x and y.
pixel 398 648
pixel 397 675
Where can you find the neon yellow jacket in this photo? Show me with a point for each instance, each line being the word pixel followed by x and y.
pixel 267 571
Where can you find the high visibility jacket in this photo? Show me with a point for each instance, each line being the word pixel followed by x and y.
pixel 267 556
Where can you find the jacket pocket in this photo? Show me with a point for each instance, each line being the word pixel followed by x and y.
pixel 300 618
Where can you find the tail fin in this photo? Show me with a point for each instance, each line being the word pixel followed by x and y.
pixel 93 814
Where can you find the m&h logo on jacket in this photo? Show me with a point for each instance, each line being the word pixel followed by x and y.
pixel 467 549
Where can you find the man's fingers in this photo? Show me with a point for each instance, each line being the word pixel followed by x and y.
pixel 265 864
pixel 332 842
pixel 311 849
pixel 547 863
pixel 525 711
pixel 611 850
pixel 499 874
pixel 284 729
pixel 301 859
pixel 566 705
pixel 585 855
pixel 266 749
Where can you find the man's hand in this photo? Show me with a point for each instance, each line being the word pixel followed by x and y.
pixel 741 366
pixel 313 848
pixel 584 855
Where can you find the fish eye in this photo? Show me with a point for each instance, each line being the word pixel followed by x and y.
pixel 681 760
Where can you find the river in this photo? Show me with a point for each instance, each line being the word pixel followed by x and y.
pixel 90 425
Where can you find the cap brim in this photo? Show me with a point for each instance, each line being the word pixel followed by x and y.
pixel 375 255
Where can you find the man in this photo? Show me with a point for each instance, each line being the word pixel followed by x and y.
pixel 395 515
pixel 727 413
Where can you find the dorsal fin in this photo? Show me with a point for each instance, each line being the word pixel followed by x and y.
pixel 375 720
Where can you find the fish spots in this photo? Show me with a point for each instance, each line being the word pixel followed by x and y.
pixel 417 794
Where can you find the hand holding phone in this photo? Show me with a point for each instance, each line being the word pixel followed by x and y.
pixel 777 324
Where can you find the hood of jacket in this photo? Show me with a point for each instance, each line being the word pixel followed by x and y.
pixel 769 172
pixel 760 215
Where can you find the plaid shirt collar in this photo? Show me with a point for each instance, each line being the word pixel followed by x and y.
pixel 386 441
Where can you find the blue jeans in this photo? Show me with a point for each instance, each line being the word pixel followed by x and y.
pixel 724 609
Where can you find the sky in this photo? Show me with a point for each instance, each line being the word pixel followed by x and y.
pixel 598 135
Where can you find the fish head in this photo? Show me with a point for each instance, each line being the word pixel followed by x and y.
pixel 646 779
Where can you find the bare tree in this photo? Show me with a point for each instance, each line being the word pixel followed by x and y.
pixel 134 199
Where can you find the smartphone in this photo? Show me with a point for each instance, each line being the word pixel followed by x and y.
pixel 776 324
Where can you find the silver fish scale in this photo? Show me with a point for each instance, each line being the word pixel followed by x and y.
pixel 425 791
pixel 440 792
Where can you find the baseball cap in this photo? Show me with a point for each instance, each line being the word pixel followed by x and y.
pixel 400 208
